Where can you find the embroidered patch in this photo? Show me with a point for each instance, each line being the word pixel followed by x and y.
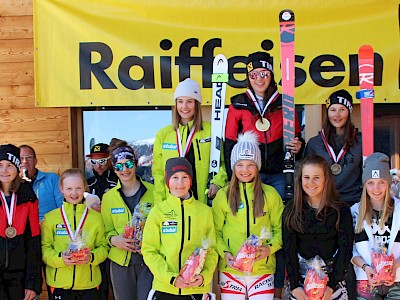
pixel 169 227
pixel 117 210
pixel 169 146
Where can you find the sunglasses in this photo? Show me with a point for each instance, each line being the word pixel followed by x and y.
pixel 261 74
pixel 100 161
pixel 129 165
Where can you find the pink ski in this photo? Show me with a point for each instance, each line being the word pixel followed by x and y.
pixel 366 96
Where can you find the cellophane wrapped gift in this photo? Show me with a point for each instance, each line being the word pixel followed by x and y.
pixel 194 264
pixel 78 250
pixel 134 228
pixel 382 264
pixel 246 256
pixel 316 279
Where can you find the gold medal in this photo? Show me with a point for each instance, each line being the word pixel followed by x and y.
pixel 262 124
pixel 11 232
pixel 336 169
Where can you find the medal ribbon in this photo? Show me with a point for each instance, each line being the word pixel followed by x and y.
pixel 253 98
pixel 188 142
pixel 73 235
pixel 330 149
pixel 10 212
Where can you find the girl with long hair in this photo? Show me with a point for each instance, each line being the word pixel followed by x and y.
pixel 190 137
pixel 315 223
pixel 377 223
pixel 242 209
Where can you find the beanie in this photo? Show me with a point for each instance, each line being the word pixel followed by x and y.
pixel 188 88
pixel 177 164
pixel 376 166
pixel 121 153
pixel 12 154
pixel 259 60
pixel 340 97
pixel 246 148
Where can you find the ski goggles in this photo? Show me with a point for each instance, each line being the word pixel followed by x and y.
pixel 261 74
pixel 120 166
pixel 100 161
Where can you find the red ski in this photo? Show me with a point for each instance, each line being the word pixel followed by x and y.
pixel 366 96
pixel 287 29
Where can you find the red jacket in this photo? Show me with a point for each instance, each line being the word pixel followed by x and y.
pixel 23 252
pixel 242 117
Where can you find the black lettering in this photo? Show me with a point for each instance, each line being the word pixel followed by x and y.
pixel 317 67
pixel 147 65
pixel 86 67
pixel 165 65
pixel 300 75
pixel 233 70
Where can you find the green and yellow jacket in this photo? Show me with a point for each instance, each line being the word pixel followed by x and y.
pixel 165 147
pixel 174 229
pixel 55 241
pixel 232 230
pixel 116 215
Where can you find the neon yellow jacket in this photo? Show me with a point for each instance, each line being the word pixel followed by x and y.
pixel 116 215
pixel 232 231
pixel 174 229
pixel 55 240
pixel 165 147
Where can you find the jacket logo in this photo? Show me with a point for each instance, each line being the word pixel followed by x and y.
pixel 118 210
pixel 205 140
pixel 241 206
pixel 170 214
pixel 60 226
pixel 169 227
pixel 169 146
pixel 61 232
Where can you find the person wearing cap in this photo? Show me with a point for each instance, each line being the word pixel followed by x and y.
pixel 246 207
pixel 315 223
pixel 45 184
pixel 130 277
pixel 259 109
pixel 376 224
pixel 104 177
pixel 20 250
pixel 189 136
pixel 174 229
pixel 340 144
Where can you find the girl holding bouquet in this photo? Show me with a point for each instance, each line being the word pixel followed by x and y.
pixel 377 223
pixel 315 223
pixel 246 207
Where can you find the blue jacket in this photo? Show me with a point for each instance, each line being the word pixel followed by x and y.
pixel 47 190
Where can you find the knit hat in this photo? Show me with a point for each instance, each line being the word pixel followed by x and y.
pixel 121 153
pixel 246 148
pixel 188 88
pixel 376 166
pixel 99 149
pixel 177 164
pixel 12 154
pixel 340 97
pixel 259 60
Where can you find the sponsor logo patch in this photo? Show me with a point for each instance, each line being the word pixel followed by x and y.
pixel 117 210
pixel 169 146
pixel 169 227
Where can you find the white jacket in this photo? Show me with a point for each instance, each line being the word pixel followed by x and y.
pixel 364 248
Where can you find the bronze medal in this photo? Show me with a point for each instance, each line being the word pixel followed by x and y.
pixel 262 124
pixel 336 169
pixel 11 232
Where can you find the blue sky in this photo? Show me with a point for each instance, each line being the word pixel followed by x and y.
pixel 127 125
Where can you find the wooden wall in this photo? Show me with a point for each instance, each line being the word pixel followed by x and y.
pixel 47 130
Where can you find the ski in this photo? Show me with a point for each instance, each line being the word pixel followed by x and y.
pixel 287 30
pixel 366 96
pixel 219 79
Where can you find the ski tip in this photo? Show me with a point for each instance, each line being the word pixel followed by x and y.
pixel 286 15
pixel 365 51
pixel 220 58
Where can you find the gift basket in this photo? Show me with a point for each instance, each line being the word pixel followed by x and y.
pixel 77 249
pixel 382 264
pixel 316 279
pixel 134 228
pixel 245 258
pixel 194 264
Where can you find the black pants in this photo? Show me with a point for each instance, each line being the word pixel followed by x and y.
pixel 61 294
pixel 166 296
pixel 105 284
pixel 12 285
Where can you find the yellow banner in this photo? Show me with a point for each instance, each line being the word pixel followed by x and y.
pixel 134 53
